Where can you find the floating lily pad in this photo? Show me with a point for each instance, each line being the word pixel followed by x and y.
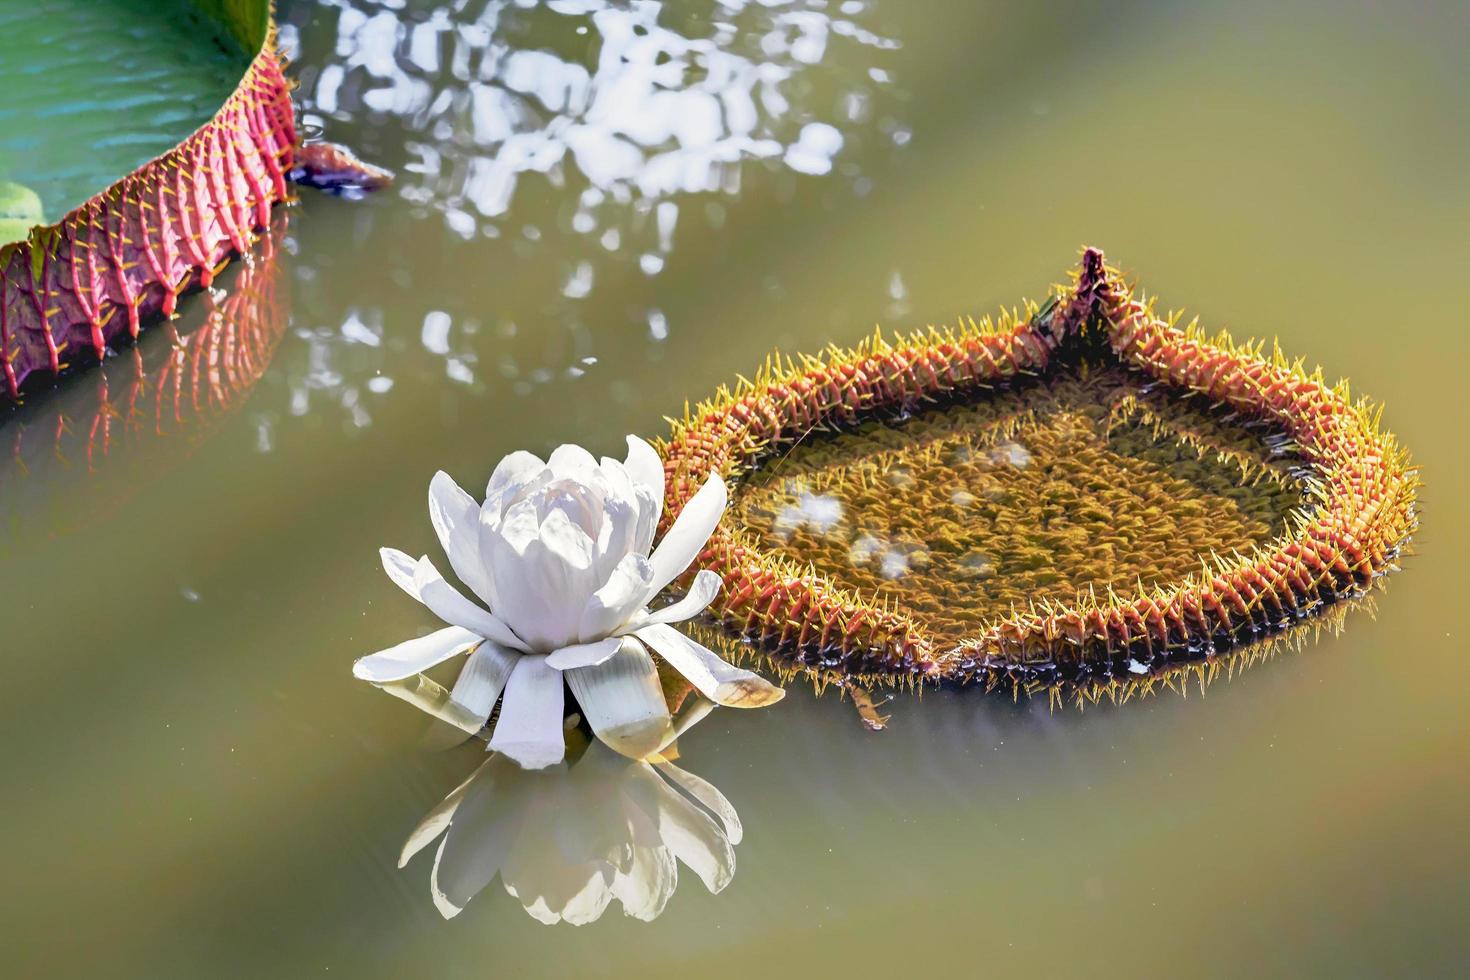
pixel 1081 493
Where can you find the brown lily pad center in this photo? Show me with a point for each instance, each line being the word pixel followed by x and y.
pixel 958 516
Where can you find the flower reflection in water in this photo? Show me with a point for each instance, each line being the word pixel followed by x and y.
pixel 569 840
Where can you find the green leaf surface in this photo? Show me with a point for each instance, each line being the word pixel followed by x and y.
pixel 93 89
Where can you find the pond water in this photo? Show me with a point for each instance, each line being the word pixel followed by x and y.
pixel 605 209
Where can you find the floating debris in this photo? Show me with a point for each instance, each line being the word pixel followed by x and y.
pixel 1096 493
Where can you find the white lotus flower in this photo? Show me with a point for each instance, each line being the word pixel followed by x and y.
pixel 559 555
pixel 570 839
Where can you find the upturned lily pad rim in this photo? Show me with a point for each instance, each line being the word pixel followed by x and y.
pixel 1360 518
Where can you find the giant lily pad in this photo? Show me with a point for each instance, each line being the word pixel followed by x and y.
pixel 1079 493
pixel 94 90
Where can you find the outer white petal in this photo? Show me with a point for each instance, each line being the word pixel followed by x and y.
pixel 529 728
pixel 615 603
pixel 399 567
pixel 717 680
pixel 456 519
pixel 412 656
pixel 483 677
pixel 706 586
pixel 647 470
pixel 583 654
pixel 623 701
pixel 691 529
pixel 446 602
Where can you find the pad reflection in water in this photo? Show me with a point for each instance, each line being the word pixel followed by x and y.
pixel 570 839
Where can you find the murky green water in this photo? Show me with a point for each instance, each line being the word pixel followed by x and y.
pixel 605 209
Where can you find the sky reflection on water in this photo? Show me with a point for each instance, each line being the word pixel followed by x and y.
pixel 576 136
pixel 200 789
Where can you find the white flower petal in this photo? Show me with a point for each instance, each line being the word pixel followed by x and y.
pixel 529 727
pixel 399 567
pixel 717 680
pixel 513 472
pixel 572 462
pixel 565 564
pixel 412 656
pixel 517 527
pixel 483 677
pixel 691 713
pixel 691 529
pixel 542 591
pixel 646 468
pixel 623 701
pixel 619 534
pixel 456 519
pixel 446 602
pixel 583 654
pixel 647 471
pixel 615 603
pixel 535 615
pixel 706 586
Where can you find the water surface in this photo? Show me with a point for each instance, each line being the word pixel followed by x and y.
pixel 605 209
